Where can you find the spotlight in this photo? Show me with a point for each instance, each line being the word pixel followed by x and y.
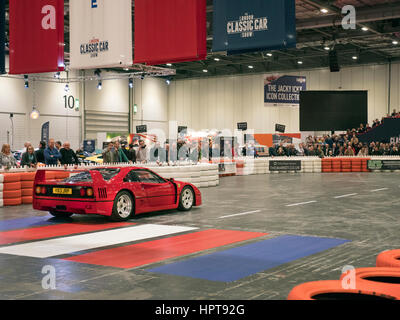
pixel 26 81
pixel 131 83
pixel 217 59
pixel 300 62
pixel 57 75
pixel 395 42
pixel 97 73
pixel 99 86
pixel 327 48
pixel 354 57
pixel 251 67
pixel 34 113
pixel 66 88
pixel 205 70
pixel 168 81
pixel 269 54
pixel 142 76
pixel 323 10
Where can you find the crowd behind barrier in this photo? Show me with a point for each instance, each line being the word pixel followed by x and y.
pixel 16 184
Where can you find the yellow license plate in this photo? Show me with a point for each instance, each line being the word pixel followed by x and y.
pixel 62 191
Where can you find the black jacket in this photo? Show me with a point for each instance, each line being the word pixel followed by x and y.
pixel 40 155
pixel 68 156
pixel 25 160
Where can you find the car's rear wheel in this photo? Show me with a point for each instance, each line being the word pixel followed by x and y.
pixel 59 214
pixel 123 206
pixel 186 199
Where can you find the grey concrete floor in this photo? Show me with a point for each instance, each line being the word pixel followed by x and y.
pixel 370 219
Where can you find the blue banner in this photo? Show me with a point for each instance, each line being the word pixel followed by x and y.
pixel 388 131
pixel 2 37
pixel 45 132
pixel 253 25
pixel 283 89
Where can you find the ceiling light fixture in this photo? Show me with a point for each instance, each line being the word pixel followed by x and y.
pixel 269 54
pixel 300 62
pixel 364 29
pixel 395 42
pixel 217 59
pixel 205 70
pixel 323 10
pixel 251 67
pixel 169 64
pixel 34 115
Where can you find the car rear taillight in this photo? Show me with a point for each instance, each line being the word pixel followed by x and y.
pixel 43 190
pixel 38 190
pixel 89 192
pixel 82 192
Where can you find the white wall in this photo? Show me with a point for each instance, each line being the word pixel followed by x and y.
pixel 151 98
pixel 15 98
pixel 222 102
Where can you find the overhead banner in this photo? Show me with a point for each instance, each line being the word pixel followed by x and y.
pixel 283 90
pixel 2 36
pixel 388 132
pixel 169 31
pixel 253 25
pixel 100 33
pixel 36 36
pixel 45 132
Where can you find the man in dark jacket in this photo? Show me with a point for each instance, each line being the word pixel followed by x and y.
pixel 68 155
pixel 40 153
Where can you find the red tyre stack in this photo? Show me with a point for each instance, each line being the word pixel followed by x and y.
pixel 346 164
pixel 336 165
pixel 27 180
pixel 356 164
pixel 11 185
pixel 364 164
pixel 326 165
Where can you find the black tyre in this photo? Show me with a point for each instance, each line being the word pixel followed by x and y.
pixel 186 199
pixel 59 214
pixel 123 207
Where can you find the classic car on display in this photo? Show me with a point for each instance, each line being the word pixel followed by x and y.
pixel 117 192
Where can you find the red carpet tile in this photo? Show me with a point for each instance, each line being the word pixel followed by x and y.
pixel 59 230
pixel 158 250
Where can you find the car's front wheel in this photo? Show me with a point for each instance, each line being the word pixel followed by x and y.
pixel 59 214
pixel 186 200
pixel 123 206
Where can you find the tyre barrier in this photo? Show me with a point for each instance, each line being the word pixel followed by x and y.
pixel 389 258
pixel 384 277
pixel 334 290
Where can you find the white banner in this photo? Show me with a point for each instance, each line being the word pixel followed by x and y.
pixel 100 33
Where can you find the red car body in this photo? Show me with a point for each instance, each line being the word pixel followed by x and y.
pixel 147 196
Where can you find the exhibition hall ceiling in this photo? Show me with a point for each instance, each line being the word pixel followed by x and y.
pixel 373 40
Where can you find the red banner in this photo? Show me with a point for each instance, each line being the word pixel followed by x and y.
pixel 36 36
pixel 170 31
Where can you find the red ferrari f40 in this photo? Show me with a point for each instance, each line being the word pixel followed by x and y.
pixel 117 192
